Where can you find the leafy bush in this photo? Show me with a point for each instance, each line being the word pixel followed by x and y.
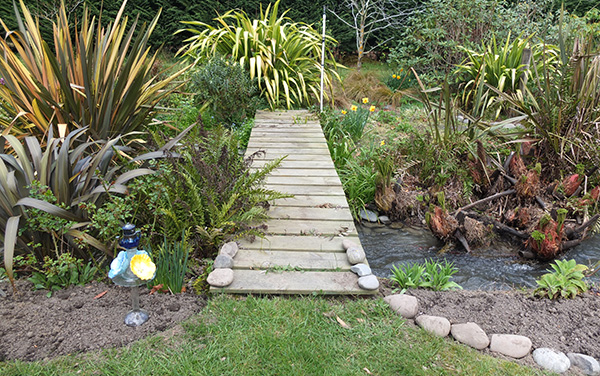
pixel 566 281
pixel 224 86
pixel 171 265
pixel 61 273
pixel 283 55
pixel 432 275
pixel 96 77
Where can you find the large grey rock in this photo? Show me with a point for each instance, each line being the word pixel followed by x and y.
pixel 440 326
pixel 551 360
pixel 220 277
pixel 405 305
pixel 230 249
pixel 369 282
pixel 223 262
pixel 368 215
pixel 347 244
pixel 361 270
pixel 356 255
pixel 511 345
pixel 470 334
pixel 586 363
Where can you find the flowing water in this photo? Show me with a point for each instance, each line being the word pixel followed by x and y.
pixel 494 268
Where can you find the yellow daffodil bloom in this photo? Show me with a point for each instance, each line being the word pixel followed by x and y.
pixel 353 108
pixel 344 112
pixel 382 143
pixel 365 100
pixel 143 267
pixel 372 108
pixel 393 76
pixel 397 77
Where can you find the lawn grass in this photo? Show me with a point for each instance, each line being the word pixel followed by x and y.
pixel 284 336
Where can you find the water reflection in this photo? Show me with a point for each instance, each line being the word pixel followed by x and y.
pixel 494 268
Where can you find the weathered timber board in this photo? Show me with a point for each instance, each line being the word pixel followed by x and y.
pixel 299 243
pixel 325 214
pixel 293 173
pixel 313 201
pixel 307 190
pixel 315 227
pixel 302 146
pixel 313 181
pixel 252 259
pixel 287 164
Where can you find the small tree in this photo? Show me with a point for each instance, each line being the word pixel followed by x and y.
pixel 370 16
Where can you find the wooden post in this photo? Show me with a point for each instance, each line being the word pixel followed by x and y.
pixel 525 60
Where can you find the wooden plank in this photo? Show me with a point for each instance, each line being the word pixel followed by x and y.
pixel 286 135
pixel 313 181
pixel 297 172
pixel 303 146
pixel 306 213
pixel 292 151
pixel 313 201
pixel 287 164
pixel 294 157
pixel 315 227
pixel 307 190
pixel 253 259
pixel 299 243
pixel 261 282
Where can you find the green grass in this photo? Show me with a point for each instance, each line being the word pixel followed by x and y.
pixel 284 336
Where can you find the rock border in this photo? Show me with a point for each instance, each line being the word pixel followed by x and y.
pixel 510 345
pixel 222 275
pixel 358 259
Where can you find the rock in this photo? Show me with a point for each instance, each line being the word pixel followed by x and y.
pixel 511 345
pixel 385 219
pixel 440 326
pixel 230 249
pixel 369 282
pixel 347 244
pixel 355 255
pixel 406 306
pixel 174 307
pixel 368 215
pixel 586 363
pixel 551 360
pixel 470 334
pixel 361 270
pixel 223 262
pixel 220 277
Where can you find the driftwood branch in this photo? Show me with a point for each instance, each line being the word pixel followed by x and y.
pixel 573 232
pixel 458 235
pixel 484 200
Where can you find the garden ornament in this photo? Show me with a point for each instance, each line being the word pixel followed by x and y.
pixel 132 268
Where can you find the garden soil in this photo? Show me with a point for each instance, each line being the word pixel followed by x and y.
pixel 34 327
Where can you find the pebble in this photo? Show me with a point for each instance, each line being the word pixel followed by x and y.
pixel 586 363
pixel 355 255
pixel 368 215
pixel 551 360
pixel 361 270
pixel 223 261
pixel 511 345
pixel 406 306
pixel 440 326
pixel 470 334
pixel 174 307
pixel 230 249
pixel 347 244
pixel 369 282
pixel 385 219
pixel 220 277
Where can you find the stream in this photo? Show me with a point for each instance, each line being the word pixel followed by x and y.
pixel 493 268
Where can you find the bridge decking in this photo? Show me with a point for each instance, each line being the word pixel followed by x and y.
pixel 303 252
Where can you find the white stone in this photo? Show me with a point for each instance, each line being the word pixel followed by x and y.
pixel 586 363
pixel 551 360
pixel 230 249
pixel 368 215
pixel 347 244
pixel 405 305
pixel 440 326
pixel 220 277
pixel 369 282
pixel 356 255
pixel 385 219
pixel 361 270
pixel 223 262
pixel 470 334
pixel 511 345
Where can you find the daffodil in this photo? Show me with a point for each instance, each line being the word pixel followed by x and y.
pixel 143 267
pixel 382 143
pixel 344 112
pixel 365 100
pixel 372 108
pixel 353 108
pixel 397 77
pixel 393 76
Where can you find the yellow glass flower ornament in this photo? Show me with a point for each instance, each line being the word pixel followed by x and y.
pixel 143 267
pixel 365 100
pixel 353 108
pixel 372 108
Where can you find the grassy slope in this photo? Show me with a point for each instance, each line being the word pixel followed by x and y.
pixel 284 336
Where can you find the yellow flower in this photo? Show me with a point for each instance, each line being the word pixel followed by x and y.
pixel 372 108
pixel 353 108
pixel 393 76
pixel 382 143
pixel 344 112
pixel 397 77
pixel 365 100
pixel 143 267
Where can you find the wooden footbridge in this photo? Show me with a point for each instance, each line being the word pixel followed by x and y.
pixel 302 252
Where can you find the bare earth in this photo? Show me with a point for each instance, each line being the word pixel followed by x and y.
pixel 34 327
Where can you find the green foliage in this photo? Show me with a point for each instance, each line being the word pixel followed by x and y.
pixel 284 56
pixel 431 275
pixel 358 178
pixel 171 264
pixel 62 272
pixel 96 77
pixel 566 281
pixel 226 88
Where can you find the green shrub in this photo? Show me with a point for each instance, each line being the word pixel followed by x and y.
pixel 226 88
pixel 431 275
pixel 566 281
pixel 63 272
